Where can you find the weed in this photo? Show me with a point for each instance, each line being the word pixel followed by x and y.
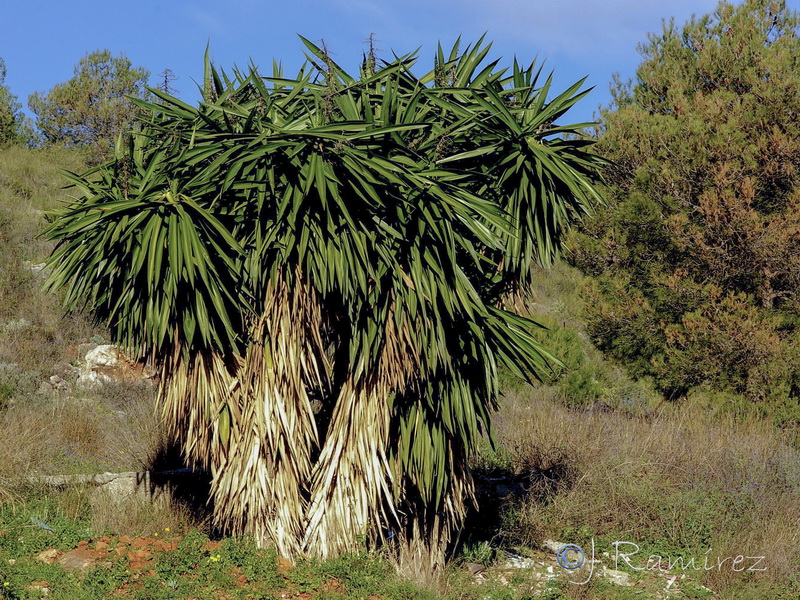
pixel 257 564
pixel 479 552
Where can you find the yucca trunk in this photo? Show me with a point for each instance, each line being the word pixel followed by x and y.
pixel 192 392
pixel 250 422
pixel 351 498
pixel 263 474
pixel 425 533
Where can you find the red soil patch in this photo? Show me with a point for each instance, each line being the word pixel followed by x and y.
pixel 140 553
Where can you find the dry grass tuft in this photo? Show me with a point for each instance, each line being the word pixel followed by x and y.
pixel 134 509
pixel 677 484
pixel 116 430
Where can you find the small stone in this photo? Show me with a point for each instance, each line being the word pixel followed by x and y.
pixel 39 587
pixel 66 371
pixel 48 556
pixel 475 568
pixel 552 546
pixel 548 576
pixel 518 562
pixel 618 577
pixel 119 494
pixel 80 559
pixel 38 268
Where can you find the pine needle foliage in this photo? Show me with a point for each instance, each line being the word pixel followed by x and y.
pixel 316 263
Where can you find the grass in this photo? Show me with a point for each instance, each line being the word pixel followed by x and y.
pixel 556 300
pixel 586 455
pixel 171 563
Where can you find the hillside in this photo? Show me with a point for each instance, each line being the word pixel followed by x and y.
pixel 587 456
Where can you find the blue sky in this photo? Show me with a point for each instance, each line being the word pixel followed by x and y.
pixel 42 40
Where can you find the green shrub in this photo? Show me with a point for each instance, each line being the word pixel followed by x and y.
pixel 694 260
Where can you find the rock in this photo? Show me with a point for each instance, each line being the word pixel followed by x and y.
pixel 552 546
pixel 518 562
pixel 105 363
pixel 79 559
pixel 475 568
pixel 618 577
pixel 59 383
pixel 92 379
pixel 105 355
pixel 39 268
pixel 66 371
pixel 39 587
pixel 65 375
pixel 48 556
pixel 84 349
pixel 120 492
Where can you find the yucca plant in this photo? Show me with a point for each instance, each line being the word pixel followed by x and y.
pixel 317 266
